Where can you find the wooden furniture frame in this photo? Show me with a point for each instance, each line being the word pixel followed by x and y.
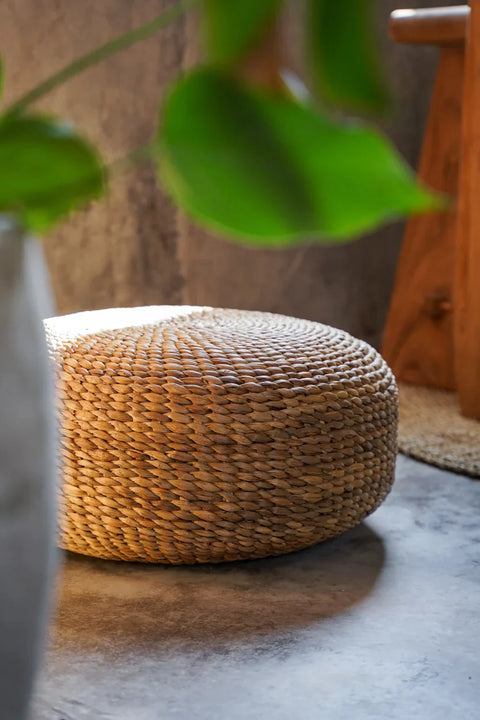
pixel 432 335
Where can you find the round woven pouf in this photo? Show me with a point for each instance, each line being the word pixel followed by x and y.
pixel 202 435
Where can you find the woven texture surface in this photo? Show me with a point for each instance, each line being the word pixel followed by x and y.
pixel 205 435
pixel 432 429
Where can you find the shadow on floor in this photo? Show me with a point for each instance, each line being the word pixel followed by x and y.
pixel 106 604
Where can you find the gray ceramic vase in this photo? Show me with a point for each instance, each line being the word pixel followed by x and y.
pixel 27 464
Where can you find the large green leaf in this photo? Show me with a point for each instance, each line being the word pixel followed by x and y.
pixel 273 172
pixel 232 27
pixel 46 170
pixel 343 53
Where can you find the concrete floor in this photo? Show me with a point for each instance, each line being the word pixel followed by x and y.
pixel 383 622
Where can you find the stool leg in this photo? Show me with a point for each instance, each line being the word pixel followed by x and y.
pixel 418 338
pixel 467 275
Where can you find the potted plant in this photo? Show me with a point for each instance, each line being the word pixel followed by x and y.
pixel 240 149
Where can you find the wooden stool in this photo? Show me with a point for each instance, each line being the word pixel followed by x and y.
pixel 432 336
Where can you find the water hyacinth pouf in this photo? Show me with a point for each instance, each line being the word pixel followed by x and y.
pixel 192 434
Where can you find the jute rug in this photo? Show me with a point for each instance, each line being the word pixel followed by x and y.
pixel 433 430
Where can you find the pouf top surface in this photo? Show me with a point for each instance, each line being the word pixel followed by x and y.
pixel 215 346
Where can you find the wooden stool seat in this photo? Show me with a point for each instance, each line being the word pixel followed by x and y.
pixel 430 26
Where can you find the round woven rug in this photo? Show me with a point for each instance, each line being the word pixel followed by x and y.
pixel 433 430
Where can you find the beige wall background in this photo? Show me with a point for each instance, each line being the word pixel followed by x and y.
pixel 136 248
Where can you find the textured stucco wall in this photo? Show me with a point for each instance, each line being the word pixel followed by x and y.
pixel 136 248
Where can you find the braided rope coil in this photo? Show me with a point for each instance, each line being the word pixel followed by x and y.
pixel 195 435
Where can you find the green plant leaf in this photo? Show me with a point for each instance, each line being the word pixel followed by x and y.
pixel 46 170
pixel 270 171
pixel 232 27
pixel 342 52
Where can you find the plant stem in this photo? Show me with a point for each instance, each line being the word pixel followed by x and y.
pixel 132 159
pixel 122 42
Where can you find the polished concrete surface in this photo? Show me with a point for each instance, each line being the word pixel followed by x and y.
pixel 382 623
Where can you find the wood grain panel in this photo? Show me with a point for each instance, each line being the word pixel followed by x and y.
pixel 418 339
pixel 467 280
